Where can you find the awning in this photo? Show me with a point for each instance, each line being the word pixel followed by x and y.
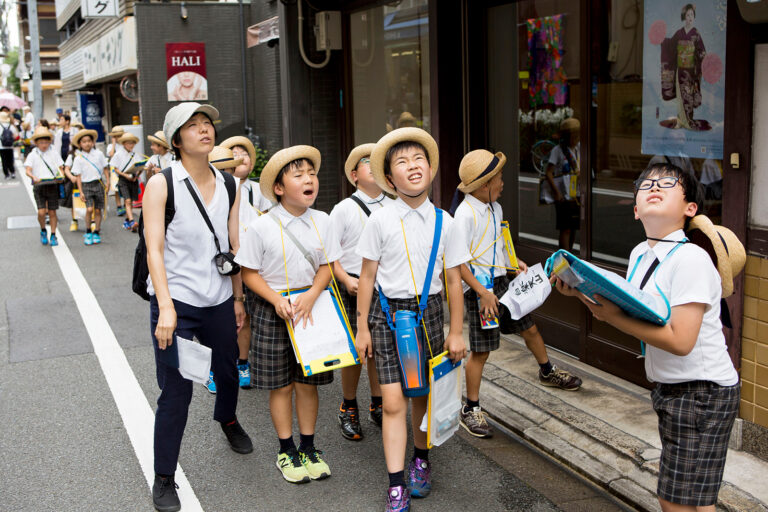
pixel 48 85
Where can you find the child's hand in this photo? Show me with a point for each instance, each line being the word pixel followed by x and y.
pixel 351 285
pixel 522 267
pixel 489 304
pixel 604 311
pixel 564 288
pixel 363 344
pixel 284 309
pixel 454 344
pixel 302 308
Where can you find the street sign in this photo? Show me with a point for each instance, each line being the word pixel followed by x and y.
pixel 99 8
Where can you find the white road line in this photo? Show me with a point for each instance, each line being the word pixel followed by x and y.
pixel 137 415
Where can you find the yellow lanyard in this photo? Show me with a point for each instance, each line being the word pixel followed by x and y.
pixel 493 244
pixel 413 277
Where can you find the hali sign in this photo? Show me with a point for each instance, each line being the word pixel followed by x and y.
pixel 186 75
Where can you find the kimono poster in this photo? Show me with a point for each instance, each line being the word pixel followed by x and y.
pixel 186 75
pixel 684 78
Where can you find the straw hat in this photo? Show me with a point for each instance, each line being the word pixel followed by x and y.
pixel 245 142
pixel 406 120
pixel 394 137
pixel 571 124
pixel 729 255
pixel 41 132
pixel 222 158
pixel 53 122
pixel 478 167
pixel 127 137
pixel 82 133
pixel 280 160
pixel 117 131
pixel 4 117
pixel 360 152
pixel 79 126
pixel 159 138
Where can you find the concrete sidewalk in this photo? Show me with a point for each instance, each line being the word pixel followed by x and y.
pixel 607 431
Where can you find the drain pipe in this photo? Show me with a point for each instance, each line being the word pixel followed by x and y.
pixel 246 127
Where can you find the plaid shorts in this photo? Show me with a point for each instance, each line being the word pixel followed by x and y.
pixel 350 305
pixel 487 340
pixel 695 421
pixel 93 194
pixel 273 361
pixel 47 194
pixel 66 201
pixel 384 352
pixel 128 189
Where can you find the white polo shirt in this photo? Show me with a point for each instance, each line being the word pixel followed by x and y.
pixel 477 236
pixel 686 276
pixel 89 166
pixel 37 160
pixel 252 201
pixel 348 221
pixel 382 241
pixel 189 247
pixel 124 161
pixel 261 247
pixel 162 161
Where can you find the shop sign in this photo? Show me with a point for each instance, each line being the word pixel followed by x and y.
pixel 264 31
pixel 99 8
pixel 113 54
pixel 92 108
pixel 684 78
pixel 186 76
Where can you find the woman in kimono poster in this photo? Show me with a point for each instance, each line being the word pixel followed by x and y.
pixel 684 76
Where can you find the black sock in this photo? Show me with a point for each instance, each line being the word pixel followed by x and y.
pixel 242 361
pixel 307 441
pixel 376 401
pixel 397 478
pixel 546 368
pixel 88 230
pixel 95 231
pixel 471 404
pixel 286 444
pixel 349 404
pixel 421 453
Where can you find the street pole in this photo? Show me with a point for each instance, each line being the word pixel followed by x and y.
pixel 34 48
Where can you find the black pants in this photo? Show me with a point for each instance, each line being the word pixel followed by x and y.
pixel 7 157
pixel 215 327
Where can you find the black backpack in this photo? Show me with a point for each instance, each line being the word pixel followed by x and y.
pixel 140 266
pixel 6 139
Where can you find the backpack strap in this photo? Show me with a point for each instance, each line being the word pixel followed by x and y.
pixel 170 204
pixel 432 259
pixel 231 186
pixel 362 205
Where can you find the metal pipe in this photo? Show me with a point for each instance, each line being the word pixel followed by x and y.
pixel 37 75
pixel 246 127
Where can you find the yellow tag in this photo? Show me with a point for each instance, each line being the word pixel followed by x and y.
pixel 573 189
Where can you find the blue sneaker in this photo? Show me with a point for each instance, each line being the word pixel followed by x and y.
pixel 54 240
pixel 244 374
pixel 210 385
pixel 120 211
pixel 88 239
pixel 96 238
pixel 398 499
pixel 126 225
pixel 419 478
pixel 44 237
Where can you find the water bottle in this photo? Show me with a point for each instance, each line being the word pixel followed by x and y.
pixel 410 354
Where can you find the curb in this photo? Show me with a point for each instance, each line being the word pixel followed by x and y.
pixel 619 463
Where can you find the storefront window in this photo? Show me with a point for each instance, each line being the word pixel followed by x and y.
pixel 658 99
pixel 390 69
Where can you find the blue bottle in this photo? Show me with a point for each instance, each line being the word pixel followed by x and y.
pixel 410 354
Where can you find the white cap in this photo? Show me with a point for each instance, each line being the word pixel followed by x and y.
pixel 181 113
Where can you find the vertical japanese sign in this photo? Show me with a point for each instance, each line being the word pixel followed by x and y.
pixel 186 73
pixel 92 108
pixel 684 78
pixel 99 8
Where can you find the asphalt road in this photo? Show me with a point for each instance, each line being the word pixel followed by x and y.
pixel 65 446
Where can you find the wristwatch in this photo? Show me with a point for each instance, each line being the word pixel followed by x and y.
pixel 240 299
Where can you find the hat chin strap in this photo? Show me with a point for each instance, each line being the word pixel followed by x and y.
pixel 411 196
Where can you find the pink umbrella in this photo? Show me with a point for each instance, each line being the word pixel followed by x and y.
pixel 10 100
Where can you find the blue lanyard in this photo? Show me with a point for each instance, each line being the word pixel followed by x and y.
pixel 664 297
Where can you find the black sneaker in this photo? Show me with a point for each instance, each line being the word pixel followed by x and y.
pixel 349 422
pixel 164 495
pixel 375 414
pixel 238 439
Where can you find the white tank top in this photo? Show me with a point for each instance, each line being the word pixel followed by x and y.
pixel 189 246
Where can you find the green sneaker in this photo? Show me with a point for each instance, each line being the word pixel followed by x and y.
pixel 290 465
pixel 315 466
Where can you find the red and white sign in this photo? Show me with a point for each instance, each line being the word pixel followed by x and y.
pixel 187 79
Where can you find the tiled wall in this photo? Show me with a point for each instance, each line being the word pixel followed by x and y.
pixel 754 348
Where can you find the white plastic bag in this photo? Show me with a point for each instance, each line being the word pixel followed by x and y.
pixel 527 292
pixel 194 360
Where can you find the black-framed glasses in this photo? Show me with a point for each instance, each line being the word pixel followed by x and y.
pixel 664 182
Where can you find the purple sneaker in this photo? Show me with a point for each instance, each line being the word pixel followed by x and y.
pixel 419 478
pixel 398 499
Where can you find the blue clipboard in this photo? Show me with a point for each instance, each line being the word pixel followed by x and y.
pixel 591 280
pixel 329 362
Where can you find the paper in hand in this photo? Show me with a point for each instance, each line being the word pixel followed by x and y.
pixel 194 360
pixel 527 292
